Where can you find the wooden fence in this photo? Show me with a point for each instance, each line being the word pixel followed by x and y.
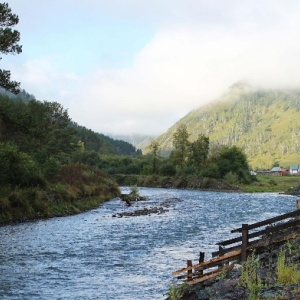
pixel 252 237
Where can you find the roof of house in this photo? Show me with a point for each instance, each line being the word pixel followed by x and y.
pixel 276 169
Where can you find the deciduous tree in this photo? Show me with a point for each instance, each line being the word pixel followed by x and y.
pixel 199 151
pixel 181 145
pixel 154 153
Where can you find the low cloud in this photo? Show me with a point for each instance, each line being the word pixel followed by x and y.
pixel 184 66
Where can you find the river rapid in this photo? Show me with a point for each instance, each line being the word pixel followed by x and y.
pixel 97 256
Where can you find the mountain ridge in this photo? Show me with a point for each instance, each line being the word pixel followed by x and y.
pixel 265 123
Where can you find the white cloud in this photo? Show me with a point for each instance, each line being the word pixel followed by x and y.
pixel 199 49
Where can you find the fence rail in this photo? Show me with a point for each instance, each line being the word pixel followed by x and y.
pixel 277 230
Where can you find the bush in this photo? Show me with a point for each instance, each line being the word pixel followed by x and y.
pixel 287 273
pixel 50 168
pixel 167 169
pixel 231 177
pixel 18 168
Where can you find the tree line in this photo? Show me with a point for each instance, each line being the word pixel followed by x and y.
pixel 196 158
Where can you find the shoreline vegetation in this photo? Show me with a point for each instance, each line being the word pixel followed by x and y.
pixel 76 189
pixel 289 185
pixel 80 188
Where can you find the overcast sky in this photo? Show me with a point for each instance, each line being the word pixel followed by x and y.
pixel 138 66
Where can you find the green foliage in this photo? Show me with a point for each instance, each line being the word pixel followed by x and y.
pixel 167 169
pixel 36 148
pixel 232 159
pixel 287 272
pixel 232 177
pixel 9 39
pixel 174 293
pixel 198 151
pixel 17 168
pixel 249 277
pixel 181 145
pixel 50 168
pixel 154 155
pixel 101 143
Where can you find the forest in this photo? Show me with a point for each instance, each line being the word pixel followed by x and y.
pixel 46 160
pixel 52 166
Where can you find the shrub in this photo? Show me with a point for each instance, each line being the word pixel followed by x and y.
pixel 4 204
pixel 167 169
pixel 249 277
pixel 232 177
pixel 287 273
pixel 174 293
pixel 18 168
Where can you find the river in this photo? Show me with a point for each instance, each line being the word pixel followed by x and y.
pixel 97 256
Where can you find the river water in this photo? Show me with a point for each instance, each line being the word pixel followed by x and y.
pixel 97 256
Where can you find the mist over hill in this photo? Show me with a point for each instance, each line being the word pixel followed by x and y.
pixel 139 141
pixel 265 123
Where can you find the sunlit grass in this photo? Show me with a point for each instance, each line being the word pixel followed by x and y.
pixel 269 183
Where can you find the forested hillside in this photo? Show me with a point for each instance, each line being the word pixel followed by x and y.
pixel 47 162
pixel 264 123
pixel 139 141
pixel 92 141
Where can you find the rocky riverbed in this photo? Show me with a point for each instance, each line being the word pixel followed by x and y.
pixel 272 274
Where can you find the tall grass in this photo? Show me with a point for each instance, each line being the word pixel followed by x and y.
pixel 249 277
pixel 287 272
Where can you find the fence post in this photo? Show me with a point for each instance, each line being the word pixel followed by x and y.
pixel 220 266
pixel 244 242
pixel 190 272
pixel 201 260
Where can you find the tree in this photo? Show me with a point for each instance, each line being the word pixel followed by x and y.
pixel 154 153
pixel 233 159
pixel 9 39
pixel 181 144
pixel 17 168
pixel 199 151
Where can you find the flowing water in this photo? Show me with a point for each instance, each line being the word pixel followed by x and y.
pixel 97 256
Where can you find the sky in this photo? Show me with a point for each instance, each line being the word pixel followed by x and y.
pixel 137 67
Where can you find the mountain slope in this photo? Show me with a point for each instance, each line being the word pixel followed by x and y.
pixel 264 123
pixel 139 141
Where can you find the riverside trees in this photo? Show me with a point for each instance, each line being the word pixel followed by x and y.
pixel 41 174
pixel 194 158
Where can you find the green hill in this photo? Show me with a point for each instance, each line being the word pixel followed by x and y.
pixel 264 123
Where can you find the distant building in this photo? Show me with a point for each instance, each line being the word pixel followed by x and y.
pixel 279 171
pixel 294 170
pixel 276 171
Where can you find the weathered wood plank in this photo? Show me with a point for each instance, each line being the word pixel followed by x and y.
pixel 210 275
pixel 275 228
pixel 275 239
pixel 211 261
pixel 269 221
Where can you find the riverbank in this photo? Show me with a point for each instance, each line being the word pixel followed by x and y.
pixel 70 194
pixel 271 274
pixel 178 182
pixel 260 184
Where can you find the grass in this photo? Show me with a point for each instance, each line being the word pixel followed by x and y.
pixel 174 293
pixel 269 183
pixel 287 273
pixel 249 278
pixel 78 188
